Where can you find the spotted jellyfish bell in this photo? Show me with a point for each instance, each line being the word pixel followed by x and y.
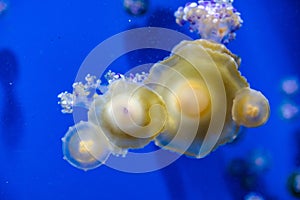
pixel 130 114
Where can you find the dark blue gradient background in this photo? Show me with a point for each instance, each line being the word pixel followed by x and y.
pixel 42 45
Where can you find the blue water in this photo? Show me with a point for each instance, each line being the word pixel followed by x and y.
pixel 45 43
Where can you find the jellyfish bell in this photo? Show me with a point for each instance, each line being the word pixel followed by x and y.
pixel 202 75
pixel 250 108
pixel 130 114
pixel 85 146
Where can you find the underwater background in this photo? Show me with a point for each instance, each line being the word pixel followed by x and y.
pixel 42 45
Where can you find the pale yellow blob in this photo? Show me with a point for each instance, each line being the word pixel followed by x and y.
pixel 130 114
pixel 85 146
pixel 250 108
pixel 193 98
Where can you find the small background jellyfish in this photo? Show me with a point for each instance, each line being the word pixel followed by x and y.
pixel 249 172
pixel 3 6
pixel 290 86
pixel 289 109
pixel 136 7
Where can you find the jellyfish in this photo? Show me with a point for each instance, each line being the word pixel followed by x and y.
pixel 290 86
pixel 215 20
pixel 191 103
pixel 250 108
pixel 259 161
pixel 85 146
pixel 199 81
pixel 130 114
pixel 136 7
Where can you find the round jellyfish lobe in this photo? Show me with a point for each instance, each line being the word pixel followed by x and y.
pixel 85 146
pixel 250 108
pixel 130 114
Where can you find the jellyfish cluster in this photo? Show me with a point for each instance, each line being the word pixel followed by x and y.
pixel 215 20
pixel 190 103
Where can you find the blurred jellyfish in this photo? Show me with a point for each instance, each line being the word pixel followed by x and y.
pixel 294 184
pixel 259 161
pixel 136 7
pixel 248 171
pixel 3 6
pixel 290 85
pixel 289 110
pixel 215 20
pixel 253 196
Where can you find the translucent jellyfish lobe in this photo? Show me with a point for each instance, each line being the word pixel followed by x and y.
pixel 85 146
pixel 250 108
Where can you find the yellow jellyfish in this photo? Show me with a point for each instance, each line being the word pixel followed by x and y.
pixel 85 146
pixel 250 108
pixel 130 114
pixel 198 83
